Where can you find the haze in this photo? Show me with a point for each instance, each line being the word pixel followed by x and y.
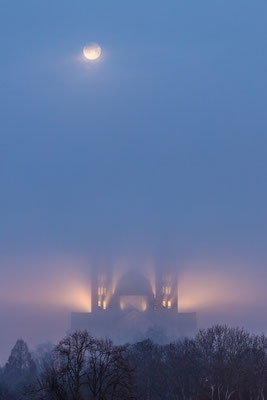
pixel 155 155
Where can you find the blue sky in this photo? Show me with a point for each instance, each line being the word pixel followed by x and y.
pixel 165 137
pixel 157 149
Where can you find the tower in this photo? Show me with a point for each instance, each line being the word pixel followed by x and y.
pixel 99 292
pixel 166 293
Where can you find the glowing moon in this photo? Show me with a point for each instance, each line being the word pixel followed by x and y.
pixel 92 52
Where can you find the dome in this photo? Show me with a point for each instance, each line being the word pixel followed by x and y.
pixel 133 284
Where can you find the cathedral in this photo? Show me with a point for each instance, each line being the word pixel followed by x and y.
pixel 127 308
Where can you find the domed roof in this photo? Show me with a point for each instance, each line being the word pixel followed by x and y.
pixel 133 284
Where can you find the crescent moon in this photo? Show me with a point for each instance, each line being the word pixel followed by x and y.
pixel 92 52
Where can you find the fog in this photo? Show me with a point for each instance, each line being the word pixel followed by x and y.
pixel 39 292
pixel 151 159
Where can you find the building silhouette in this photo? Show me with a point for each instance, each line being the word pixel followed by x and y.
pixel 128 307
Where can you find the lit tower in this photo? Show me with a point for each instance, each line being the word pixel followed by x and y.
pixel 99 292
pixel 167 293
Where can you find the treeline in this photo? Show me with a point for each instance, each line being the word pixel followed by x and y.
pixel 219 363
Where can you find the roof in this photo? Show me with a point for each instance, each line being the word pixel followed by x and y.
pixel 133 284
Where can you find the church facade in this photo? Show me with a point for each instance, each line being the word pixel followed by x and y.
pixel 126 310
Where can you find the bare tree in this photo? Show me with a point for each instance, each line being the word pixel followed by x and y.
pixel 150 370
pixel 72 354
pixel 184 370
pixel 224 352
pixel 108 374
pixel 63 376
pixel 85 368
pixel 220 363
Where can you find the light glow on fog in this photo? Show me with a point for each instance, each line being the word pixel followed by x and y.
pixel 56 283
pixel 149 273
pixel 75 296
pixel 204 289
pixel 137 302
pixel 65 283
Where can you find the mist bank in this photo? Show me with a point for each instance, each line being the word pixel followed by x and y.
pixel 39 291
pixel 218 363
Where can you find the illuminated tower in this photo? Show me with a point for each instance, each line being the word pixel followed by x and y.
pixel 99 292
pixel 166 297
pixel 132 306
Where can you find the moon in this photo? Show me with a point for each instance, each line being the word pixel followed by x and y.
pixel 92 52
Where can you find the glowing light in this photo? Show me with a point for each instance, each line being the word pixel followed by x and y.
pixel 58 282
pixel 169 304
pixel 149 273
pixel 166 290
pixel 209 289
pixel 92 52
pixel 137 302
pixel 118 271
pixel 72 295
pixel 102 291
pixel 164 303
pixel 104 305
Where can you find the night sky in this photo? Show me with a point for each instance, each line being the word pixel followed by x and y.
pixel 155 153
